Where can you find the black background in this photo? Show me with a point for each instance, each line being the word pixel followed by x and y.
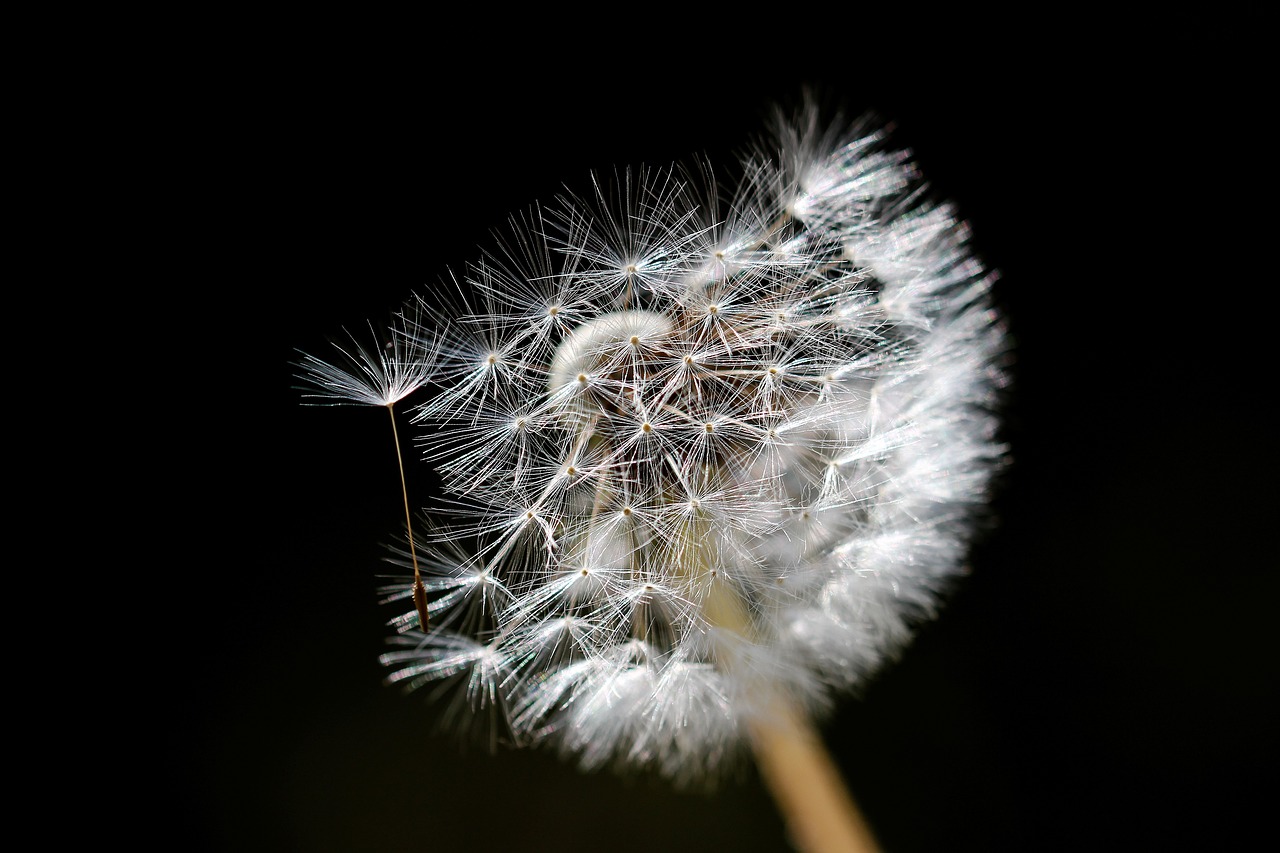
pixel 1104 679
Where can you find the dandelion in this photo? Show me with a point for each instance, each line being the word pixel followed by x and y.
pixel 711 452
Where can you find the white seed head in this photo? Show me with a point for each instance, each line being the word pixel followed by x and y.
pixel 742 451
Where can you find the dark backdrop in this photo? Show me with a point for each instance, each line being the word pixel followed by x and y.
pixel 1104 678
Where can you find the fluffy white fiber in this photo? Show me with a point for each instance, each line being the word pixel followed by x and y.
pixel 703 447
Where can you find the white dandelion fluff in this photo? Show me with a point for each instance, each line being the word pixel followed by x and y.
pixel 381 371
pixel 712 451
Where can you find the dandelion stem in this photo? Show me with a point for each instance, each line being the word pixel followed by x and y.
pixel 805 783
pixel 794 763
pixel 419 591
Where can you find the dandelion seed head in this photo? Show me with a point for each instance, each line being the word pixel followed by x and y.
pixel 704 444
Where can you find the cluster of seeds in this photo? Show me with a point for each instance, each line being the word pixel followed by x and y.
pixel 700 450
